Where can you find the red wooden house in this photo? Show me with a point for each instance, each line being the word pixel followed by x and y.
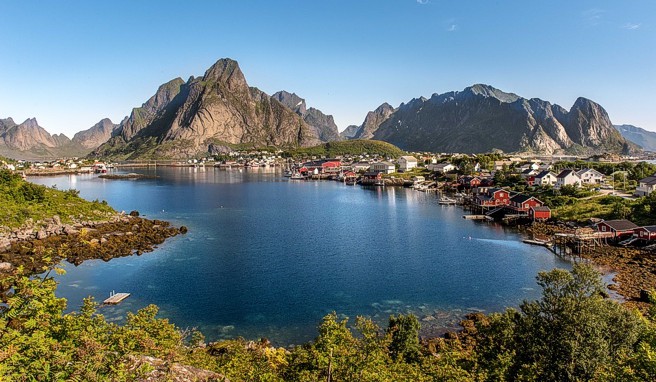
pixel 523 203
pixel 618 228
pixel 647 233
pixel 493 197
pixel 469 181
pixel 539 213
pixel 331 167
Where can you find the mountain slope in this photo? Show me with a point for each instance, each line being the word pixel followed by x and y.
pixel 95 135
pixel 481 118
pixel 641 137
pixel 183 118
pixel 349 132
pixel 323 125
pixel 373 120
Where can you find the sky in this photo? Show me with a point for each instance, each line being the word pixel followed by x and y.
pixel 71 63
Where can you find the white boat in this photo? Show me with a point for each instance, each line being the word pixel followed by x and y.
pixel 446 200
pixel 297 176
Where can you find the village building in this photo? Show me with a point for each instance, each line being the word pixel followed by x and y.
pixel 647 233
pixel 384 167
pixel 567 177
pixel 407 163
pixel 360 166
pixel 619 228
pixel 539 213
pixel 492 197
pixel 441 167
pixel 469 181
pixel 523 203
pixel 545 178
pixel 590 176
pixel 646 186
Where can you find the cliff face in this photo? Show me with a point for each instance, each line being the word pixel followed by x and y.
pixel 373 120
pixel 183 119
pixel 95 135
pixel 641 137
pixel 482 118
pixel 322 125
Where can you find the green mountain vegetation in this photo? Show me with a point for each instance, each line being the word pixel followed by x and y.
pixel 21 200
pixel 352 147
pixel 573 333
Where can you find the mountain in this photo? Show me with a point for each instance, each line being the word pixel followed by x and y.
pixel 96 134
pixel 323 125
pixel 481 119
pixel 183 119
pixel 373 120
pixel 641 137
pixel 30 141
pixel 349 132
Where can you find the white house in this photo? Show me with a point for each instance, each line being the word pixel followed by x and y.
pixel 441 167
pixel 407 163
pixel 646 186
pixel 567 178
pixel 545 178
pixel 360 166
pixel 384 167
pixel 590 176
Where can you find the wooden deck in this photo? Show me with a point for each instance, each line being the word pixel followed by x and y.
pixel 116 298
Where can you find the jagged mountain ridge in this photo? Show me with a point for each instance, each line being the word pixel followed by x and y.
pixel 184 118
pixel 323 125
pixel 641 137
pixel 29 140
pixel 481 118
pixel 373 120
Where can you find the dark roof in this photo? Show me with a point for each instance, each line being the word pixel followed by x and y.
pixel 520 198
pixel 564 173
pixel 372 173
pixel 650 228
pixel 543 174
pixel 620 225
pixel 541 209
pixel 649 180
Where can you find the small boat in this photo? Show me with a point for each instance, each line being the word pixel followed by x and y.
pixel 297 176
pixel 446 200
pixel 288 174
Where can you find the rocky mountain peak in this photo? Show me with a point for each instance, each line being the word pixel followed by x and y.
pixel 489 91
pixel 226 71
pixel 292 101
pixel 96 134
pixel 375 118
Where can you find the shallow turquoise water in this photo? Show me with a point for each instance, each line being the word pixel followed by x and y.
pixel 268 257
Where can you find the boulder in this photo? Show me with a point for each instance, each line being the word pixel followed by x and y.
pixel 6 267
pixel 41 234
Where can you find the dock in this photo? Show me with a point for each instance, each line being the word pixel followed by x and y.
pixel 115 298
pixel 474 217
pixel 538 242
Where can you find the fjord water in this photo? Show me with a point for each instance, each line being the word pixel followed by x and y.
pixel 269 257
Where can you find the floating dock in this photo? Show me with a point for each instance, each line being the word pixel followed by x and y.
pixel 538 242
pixel 115 298
pixel 474 217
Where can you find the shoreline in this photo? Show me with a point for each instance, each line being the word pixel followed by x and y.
pixel 49 244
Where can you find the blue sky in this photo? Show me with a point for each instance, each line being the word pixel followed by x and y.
pixel 71 63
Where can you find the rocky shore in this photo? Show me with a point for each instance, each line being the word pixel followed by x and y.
pixel 47 243
pixel 634 268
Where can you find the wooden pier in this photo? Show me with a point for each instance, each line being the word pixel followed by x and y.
pixel 115 298
pixel 474 217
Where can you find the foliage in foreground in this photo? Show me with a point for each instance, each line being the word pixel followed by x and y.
pixel 572 333
pixel 21 200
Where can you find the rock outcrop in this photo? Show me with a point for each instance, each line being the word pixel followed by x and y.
pixel 373 120
pixel 481 119
pixel 183 118
pixel 323 125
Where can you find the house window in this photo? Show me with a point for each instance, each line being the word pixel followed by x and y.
pixel 603 228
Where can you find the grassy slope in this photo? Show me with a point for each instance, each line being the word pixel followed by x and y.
pixel 353 147
pixel 21 200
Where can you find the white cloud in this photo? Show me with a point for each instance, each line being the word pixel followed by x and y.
pixel 452 28
pixel 593 16
pixel 631 26
pixel 422 2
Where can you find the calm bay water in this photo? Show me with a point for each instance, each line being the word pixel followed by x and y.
pixel 268 257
